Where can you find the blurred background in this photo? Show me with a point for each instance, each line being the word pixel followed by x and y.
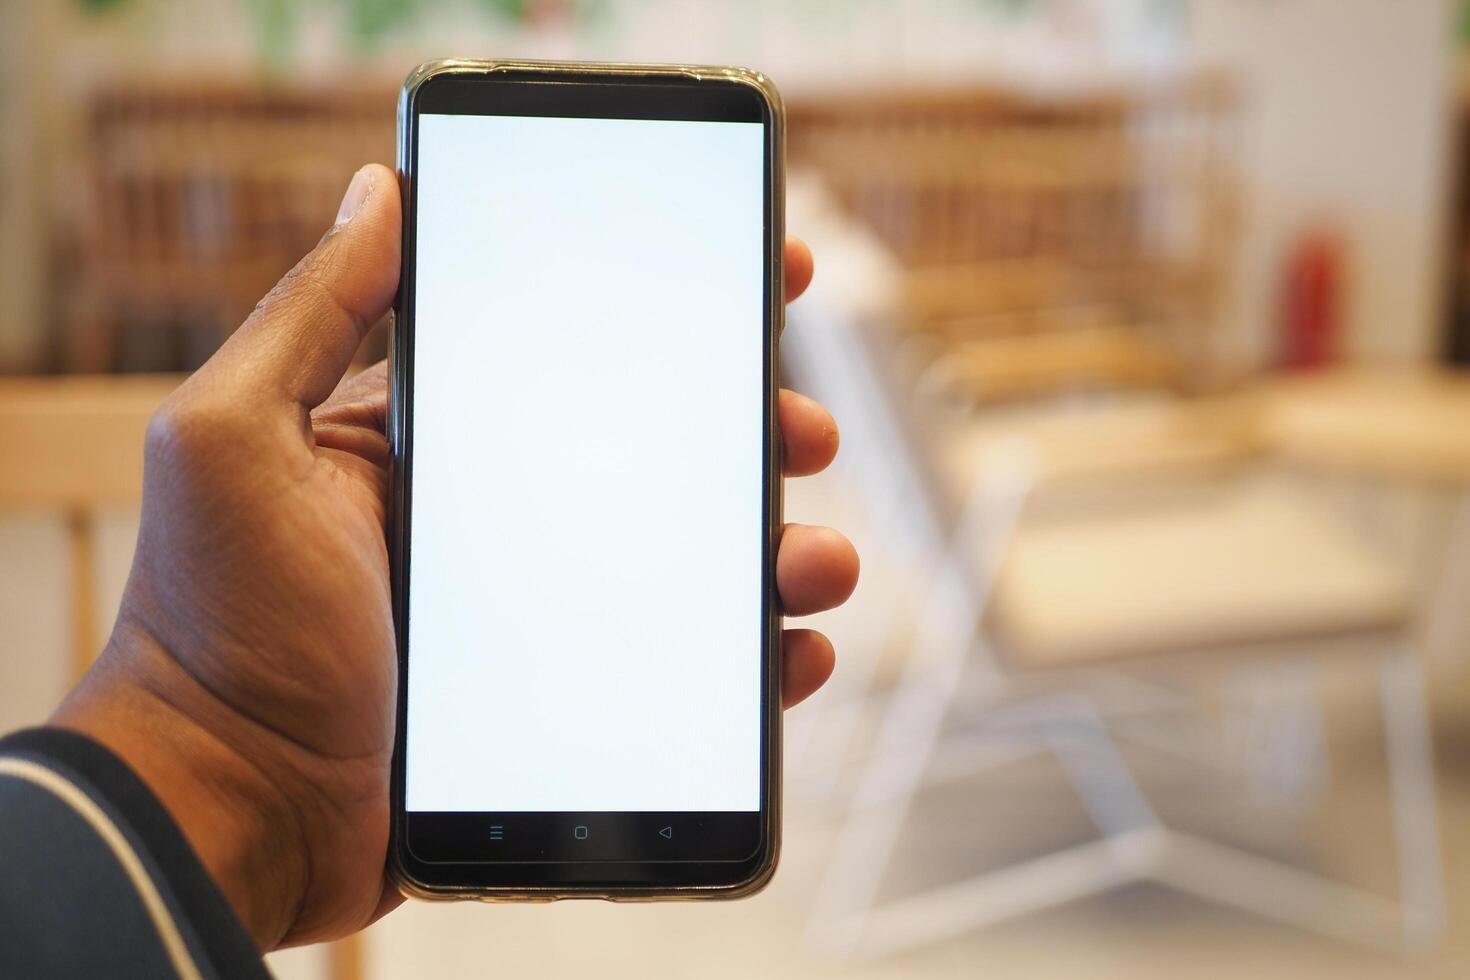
pixel 1145 322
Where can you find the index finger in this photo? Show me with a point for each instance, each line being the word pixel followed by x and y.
pixel 799 267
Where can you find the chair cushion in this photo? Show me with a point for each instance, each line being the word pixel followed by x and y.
pixel 1240 565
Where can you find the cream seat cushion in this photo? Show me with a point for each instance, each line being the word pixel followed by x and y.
pixel 1239 565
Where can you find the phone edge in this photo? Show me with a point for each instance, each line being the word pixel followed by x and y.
pixel 401 877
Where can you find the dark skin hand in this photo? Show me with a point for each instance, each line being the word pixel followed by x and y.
pixel 251 677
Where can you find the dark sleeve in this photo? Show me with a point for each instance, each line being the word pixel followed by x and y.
pixel 95 878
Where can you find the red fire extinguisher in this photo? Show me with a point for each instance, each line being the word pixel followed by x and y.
pixel 1311 302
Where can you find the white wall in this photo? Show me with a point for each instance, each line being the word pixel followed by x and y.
pixel 1348 102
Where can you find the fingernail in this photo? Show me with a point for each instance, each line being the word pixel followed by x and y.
pixel 356 196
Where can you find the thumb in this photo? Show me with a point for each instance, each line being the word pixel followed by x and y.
pixel 300 339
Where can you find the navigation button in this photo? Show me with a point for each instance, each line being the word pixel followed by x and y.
pixel 667 833
pixel 497 831
pixel 579 832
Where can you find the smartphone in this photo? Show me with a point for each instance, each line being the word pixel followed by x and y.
pixel 586 484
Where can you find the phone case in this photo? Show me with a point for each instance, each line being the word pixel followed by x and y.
pixel 763 86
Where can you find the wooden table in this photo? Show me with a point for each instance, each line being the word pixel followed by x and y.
pixel 1395 423
pixel 76 444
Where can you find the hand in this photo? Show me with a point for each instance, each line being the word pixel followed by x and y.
pixel 251 677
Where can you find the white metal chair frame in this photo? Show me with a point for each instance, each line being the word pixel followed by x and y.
pixel 912 748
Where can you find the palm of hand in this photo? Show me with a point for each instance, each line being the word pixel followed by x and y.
pixel 286 572
pixel 256 641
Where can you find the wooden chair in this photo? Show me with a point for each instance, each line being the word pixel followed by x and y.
pixel 1047 243
pixel 201 195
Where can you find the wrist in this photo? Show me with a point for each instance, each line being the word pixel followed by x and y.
pixel 141 704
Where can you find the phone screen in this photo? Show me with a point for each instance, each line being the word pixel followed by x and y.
pixel 585 610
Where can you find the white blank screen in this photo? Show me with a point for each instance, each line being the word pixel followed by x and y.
pixel 584 612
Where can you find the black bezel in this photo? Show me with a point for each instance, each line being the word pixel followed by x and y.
pixel 590 92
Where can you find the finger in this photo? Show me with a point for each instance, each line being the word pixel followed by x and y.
pixel 352 419
pixel 799 266
pixel 807 659
pixel 301 338
pixel 389 900
pixel 816 569
pixel 361 400
pixel 808 435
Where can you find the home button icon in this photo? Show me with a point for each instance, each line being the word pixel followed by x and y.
pixel 579 832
